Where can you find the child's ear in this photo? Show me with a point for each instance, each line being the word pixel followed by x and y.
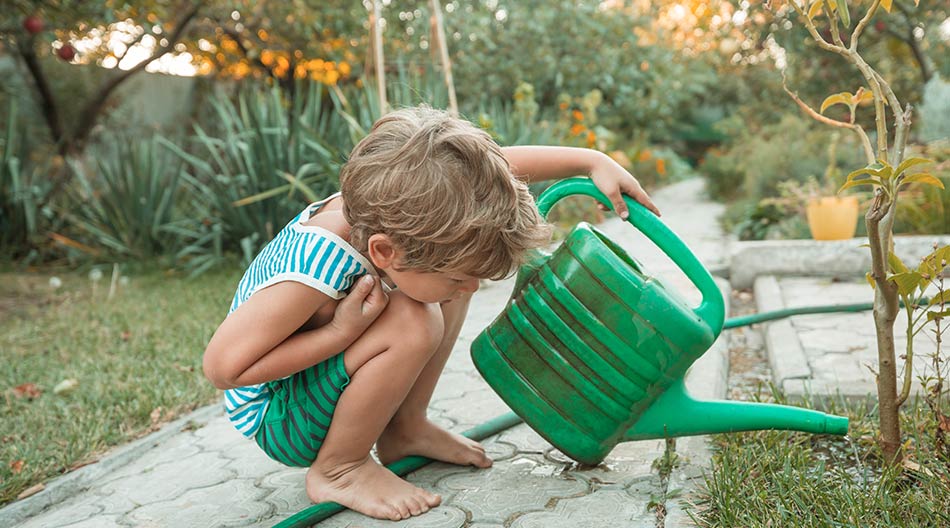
pixel 381 251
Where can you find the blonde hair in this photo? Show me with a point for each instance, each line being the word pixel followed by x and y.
pixel 442 191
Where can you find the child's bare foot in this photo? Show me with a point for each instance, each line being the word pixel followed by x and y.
pixel 426 439
pixel 370 489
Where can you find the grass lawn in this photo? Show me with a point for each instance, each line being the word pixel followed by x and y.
pixel 779 478
pixel 135 358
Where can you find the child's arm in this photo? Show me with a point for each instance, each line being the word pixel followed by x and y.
pixel 256 343
pixel 537 163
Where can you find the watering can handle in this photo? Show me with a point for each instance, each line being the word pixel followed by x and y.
pixel 711 309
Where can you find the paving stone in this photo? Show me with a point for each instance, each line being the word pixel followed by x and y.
pixel 625 463
pixel 170 450
pixel 247 460
pixel 606 508
pixel 73 511
pixel 473 408
pixel 236 502
pixel 166 481
pixel 96 521
pixel 454 385
pixel 513 486
pixel 218 435
pixel 440 517
pixel 485 525
pixel 526 439
pixel 498 450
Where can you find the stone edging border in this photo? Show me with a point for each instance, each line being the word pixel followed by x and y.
pixel 785 353
pixel 707 379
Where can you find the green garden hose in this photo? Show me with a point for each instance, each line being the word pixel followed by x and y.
pixel 324 510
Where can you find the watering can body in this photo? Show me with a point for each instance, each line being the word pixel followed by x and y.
pixel 591 351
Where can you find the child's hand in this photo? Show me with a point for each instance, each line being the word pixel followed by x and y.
pixel 355 312
pixel 612 180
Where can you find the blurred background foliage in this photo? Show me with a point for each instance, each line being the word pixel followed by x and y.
pixel 186 132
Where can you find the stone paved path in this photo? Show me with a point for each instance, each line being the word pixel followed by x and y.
pixel 200 472
pixel 829 354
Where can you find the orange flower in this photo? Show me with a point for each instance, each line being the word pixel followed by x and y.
pixel 563 106
pixel 578 116
pixel 591 139
pixel 645 155
pixel 577 129
pixel 661 166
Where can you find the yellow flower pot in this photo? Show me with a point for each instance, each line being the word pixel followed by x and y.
pixel 832 218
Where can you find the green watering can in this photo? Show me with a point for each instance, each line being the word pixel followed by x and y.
pixel 590 351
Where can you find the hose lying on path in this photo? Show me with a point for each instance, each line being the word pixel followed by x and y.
pixel 324 510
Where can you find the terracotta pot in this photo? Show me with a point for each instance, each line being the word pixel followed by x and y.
pixel 832 218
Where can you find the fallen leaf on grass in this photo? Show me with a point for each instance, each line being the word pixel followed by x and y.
pixel 32 490
pixel 65 387
pixel 27 390
pixel 126 335
pixel 914 466
pixel 83 463
pixel 184 368
pixel 17 466
pixel 156 415
pixel 944 422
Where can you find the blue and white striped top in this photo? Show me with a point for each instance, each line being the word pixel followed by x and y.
pixel 307 254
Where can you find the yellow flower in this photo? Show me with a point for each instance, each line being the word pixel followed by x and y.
pixel 344 68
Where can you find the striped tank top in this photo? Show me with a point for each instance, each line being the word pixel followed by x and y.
pixel 310 255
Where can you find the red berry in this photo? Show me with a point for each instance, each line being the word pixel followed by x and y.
pixel 879 26
pixel 67 52
pixel 33 24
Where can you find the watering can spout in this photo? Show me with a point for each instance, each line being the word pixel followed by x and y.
pixel 676 413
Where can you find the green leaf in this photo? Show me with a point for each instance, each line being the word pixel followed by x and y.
pixel 910 162
pixel 922 177
pixel 843 13
pixel 906 282
pixel 941 298
pixel 838 98
pixel 933 315
pixel 850 184
pixel 895 263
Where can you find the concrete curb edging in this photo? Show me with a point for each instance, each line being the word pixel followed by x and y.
pixel 785 353
pixel 65 487
pixel 707 379
pixel 835 259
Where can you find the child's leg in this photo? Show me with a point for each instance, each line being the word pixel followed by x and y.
pixel 383 365
pixel 410 432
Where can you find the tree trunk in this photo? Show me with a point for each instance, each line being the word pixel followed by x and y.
pixel 884 318
pixel 886 307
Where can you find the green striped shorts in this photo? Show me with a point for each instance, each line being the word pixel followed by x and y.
pixel 299 412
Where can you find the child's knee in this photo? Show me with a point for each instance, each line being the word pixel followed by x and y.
pixel 419 325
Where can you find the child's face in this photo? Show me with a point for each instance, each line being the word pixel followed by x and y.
pixel 432 287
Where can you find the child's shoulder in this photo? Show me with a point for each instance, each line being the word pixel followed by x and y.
pixel 330 218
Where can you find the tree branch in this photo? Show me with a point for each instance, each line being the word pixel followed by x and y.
pixel 92 109
pixel 863 24
pixel 47 100
pixel 865 141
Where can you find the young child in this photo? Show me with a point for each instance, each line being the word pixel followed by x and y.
pixel 343 323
